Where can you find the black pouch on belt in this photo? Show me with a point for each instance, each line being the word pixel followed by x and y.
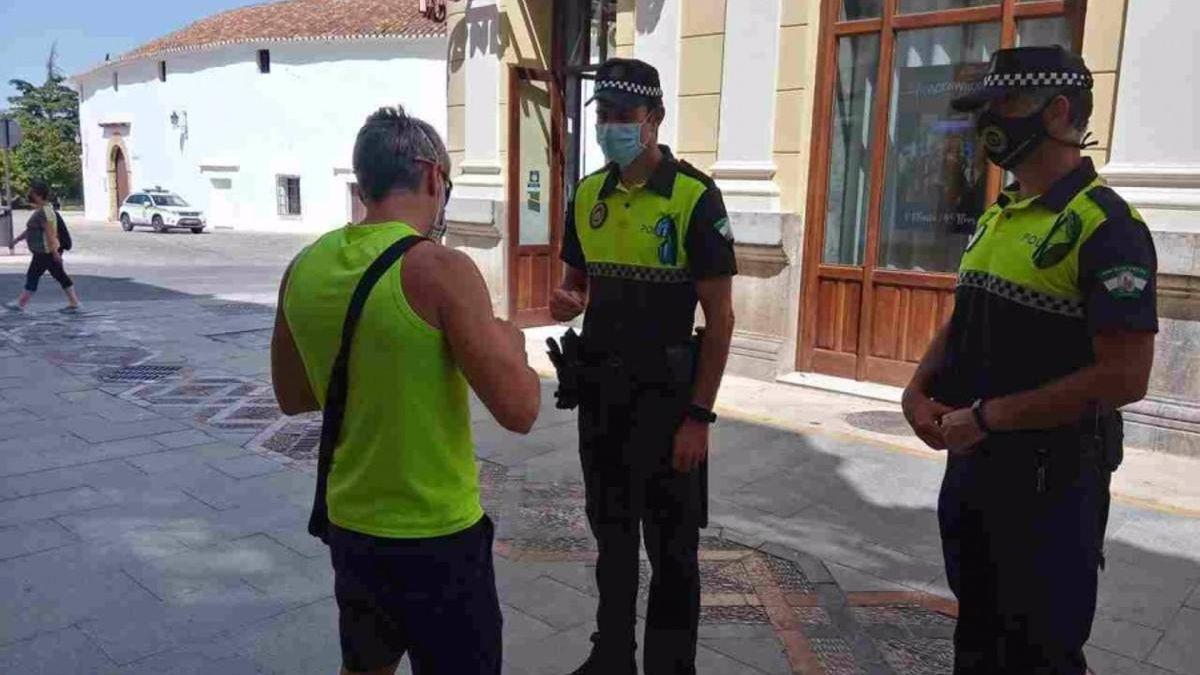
pixel 1102 437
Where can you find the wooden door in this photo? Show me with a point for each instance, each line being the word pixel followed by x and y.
pixel 897 178
pixel 121 175
pixel 535 210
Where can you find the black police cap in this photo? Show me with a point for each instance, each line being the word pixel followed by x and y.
pixel 1012 70
pixel 627 83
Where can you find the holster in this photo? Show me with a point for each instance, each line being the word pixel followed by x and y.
pixel 1104 437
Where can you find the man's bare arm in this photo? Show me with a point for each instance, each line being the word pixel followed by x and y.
pixel 1119 377
pixel 716 299
pixel 288 376
pixel 490 351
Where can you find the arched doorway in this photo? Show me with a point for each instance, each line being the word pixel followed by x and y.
pixel 118 181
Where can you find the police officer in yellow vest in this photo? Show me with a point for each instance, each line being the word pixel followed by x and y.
pixel 646 239
pixel 1052 332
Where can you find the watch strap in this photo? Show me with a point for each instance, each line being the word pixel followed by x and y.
pixel 980 420
pixel 701 414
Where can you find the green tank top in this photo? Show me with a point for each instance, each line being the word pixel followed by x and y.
pixel 404 466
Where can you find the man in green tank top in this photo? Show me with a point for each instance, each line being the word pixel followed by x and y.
pixel 410 545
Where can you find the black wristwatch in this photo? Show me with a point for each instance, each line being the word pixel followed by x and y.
pixel 980 421
pixel 701 414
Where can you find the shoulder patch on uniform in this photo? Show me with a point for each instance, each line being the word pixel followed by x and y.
pixel 1061 240
pixel 1125 281
pixel 1109 202
pixel 724 228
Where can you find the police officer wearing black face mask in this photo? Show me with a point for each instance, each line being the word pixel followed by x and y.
pixel 1052 332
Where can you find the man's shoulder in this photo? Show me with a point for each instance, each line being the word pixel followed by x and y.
pixel 689 171
pixel 440 266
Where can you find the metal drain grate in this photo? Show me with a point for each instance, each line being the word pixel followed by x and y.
pixel 144 373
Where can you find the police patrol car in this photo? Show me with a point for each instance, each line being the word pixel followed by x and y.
pixel 161 209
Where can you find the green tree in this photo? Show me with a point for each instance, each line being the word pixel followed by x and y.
pixel 49 118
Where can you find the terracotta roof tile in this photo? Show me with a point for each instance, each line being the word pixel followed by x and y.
pixel 297 20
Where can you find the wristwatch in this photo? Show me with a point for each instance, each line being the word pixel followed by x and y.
pixel 980 421
pixel 701 414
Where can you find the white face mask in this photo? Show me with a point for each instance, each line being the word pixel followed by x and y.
pixel 438 229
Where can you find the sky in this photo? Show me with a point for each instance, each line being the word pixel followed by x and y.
pixel 85 30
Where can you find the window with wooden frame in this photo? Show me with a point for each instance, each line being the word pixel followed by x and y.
pixel 897 178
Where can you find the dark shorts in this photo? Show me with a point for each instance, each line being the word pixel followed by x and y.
pixel 433 599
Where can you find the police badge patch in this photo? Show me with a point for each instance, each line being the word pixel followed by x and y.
pixel 598 216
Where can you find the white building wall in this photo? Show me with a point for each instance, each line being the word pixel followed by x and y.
pixel 248 127
pixel 1155 164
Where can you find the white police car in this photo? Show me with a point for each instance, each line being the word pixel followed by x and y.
pixel 161 209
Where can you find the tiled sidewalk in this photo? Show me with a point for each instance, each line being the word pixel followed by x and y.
pixel 153 501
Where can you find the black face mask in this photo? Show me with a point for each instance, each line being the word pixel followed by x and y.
pixel 1008 141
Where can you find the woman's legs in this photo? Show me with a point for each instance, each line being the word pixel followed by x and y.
pixel 60 275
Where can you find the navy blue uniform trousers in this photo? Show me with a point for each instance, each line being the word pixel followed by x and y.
pixel 631 488
pixel 1022 522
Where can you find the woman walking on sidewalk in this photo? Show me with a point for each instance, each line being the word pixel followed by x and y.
pixel 41 234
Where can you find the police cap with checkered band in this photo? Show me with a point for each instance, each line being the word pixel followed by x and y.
pixel 627 83
pixel 1021 68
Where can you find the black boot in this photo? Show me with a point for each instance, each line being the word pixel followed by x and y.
pixel 601 662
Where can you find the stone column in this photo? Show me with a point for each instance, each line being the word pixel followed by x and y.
pixel 656 24
pixel 745 168
pixel 476 216
pixel 482 175
pixel 1154 163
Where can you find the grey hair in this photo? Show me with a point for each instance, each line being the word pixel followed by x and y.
pixel 1079 100
pixel 387 151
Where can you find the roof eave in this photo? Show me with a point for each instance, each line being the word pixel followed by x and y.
pixel 209 46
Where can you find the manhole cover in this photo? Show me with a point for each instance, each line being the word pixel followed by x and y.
pixel 143 373
pixel 880 422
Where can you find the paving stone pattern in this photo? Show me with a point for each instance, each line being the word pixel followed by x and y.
pixel 153 503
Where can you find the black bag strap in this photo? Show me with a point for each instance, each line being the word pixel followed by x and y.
pixel 338 389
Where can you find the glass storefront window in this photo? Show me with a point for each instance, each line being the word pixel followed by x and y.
pixel 914 6
pixel 1042 32
pixel 850 150
pixel 861 9
pixel 535 161
pixel 936 185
